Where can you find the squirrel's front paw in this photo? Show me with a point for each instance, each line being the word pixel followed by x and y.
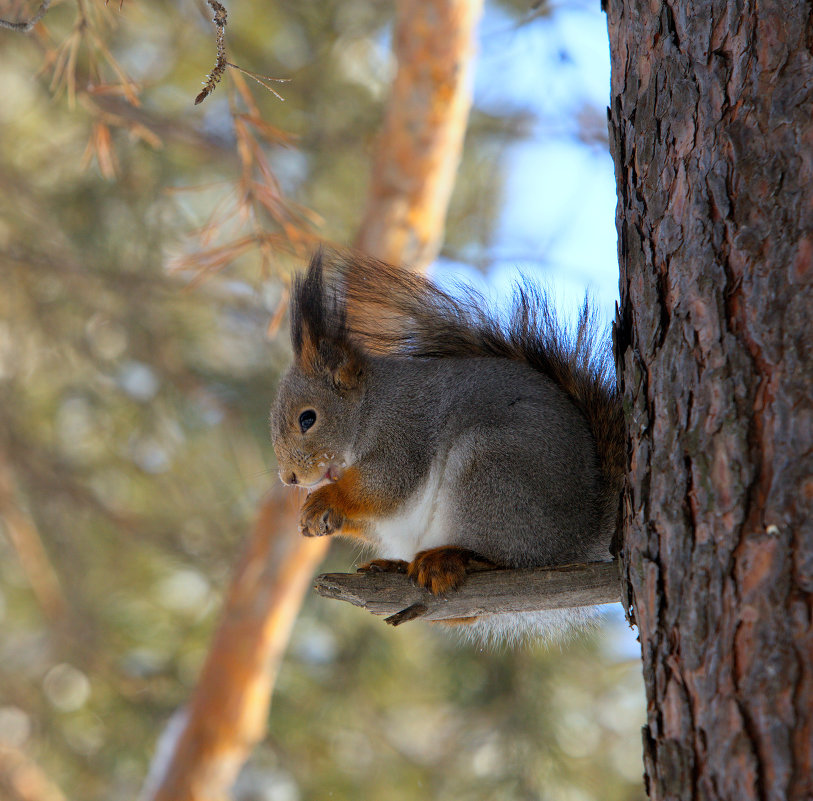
pixel 317 519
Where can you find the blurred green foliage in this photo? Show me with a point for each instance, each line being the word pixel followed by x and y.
pixel 133 412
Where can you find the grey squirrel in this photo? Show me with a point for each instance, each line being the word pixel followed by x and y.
pixel 447 438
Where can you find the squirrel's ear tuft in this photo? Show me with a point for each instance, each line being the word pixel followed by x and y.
pixel 319 329
pixel 308 314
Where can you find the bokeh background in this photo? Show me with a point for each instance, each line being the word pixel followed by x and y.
pixel 140 343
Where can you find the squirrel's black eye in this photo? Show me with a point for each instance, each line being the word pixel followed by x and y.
pixel 306 420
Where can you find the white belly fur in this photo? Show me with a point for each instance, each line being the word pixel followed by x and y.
pixel 421 523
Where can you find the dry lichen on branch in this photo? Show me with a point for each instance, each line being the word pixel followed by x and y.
pixel 24 26
pixel 213 78
pixel 484 592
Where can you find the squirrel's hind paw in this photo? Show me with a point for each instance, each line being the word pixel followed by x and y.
pixel 445 568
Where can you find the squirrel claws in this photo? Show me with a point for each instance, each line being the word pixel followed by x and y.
pixel 383 566
pixel 437 570
pixel 316 521
pixel 441 569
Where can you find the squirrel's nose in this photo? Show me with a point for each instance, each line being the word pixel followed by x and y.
pixel 289 478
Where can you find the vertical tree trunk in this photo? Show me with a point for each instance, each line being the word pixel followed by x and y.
pixel 712 135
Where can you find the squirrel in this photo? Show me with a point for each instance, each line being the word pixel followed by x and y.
pixel 448 437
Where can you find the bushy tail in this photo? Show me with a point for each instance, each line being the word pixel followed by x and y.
pixel 393 311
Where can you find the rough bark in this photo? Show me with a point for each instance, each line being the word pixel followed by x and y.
pixel 226 715
pixel 487 591
pixel 711 126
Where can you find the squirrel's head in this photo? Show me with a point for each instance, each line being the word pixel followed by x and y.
pixel 315 415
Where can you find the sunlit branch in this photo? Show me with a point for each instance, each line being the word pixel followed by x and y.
pixel 485 592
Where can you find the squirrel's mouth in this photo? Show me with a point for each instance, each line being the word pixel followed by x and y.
pixel 333 473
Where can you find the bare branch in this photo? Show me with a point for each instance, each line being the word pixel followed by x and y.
pixel 24 26
pixel 485 592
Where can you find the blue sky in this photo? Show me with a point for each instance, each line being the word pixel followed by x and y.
pixel 558 218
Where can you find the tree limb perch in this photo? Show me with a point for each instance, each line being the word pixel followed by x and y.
pixel 485 592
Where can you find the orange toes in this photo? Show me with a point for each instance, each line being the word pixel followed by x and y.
pixel 442 569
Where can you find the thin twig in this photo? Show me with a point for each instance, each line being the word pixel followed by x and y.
pixel 261 79
pixel 24 26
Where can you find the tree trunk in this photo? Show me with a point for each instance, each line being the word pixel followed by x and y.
pixel 711 127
